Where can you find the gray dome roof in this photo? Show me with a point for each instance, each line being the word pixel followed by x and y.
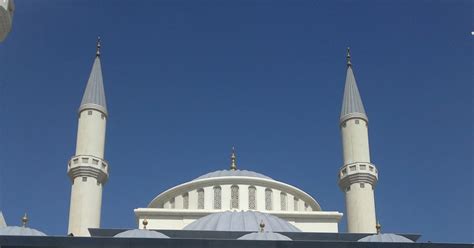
pixel 241 221
pixel 232 173
pixel 386 237
pixel 19 231
pixel 264 236
pixel 141 233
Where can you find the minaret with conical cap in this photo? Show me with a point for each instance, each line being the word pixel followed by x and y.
pixel 87 169
pixel 358 176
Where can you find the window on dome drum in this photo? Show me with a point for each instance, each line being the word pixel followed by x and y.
pixel 252 197
pixel 348 188
pixel 268 199
pixel 295 203
pixel 89 112
pixel 305 206
pixel 352 168
pixel 84 179
pixel 357 121
pixel 217 197
pixel 186 200
pixel 234 196
pixel 85 160
pixel 95 161
pixel 362 185
pixel 344 124
pixel 102 116
pixel 283 202
pixel 200 198
pixel 362 166
pixel 172 204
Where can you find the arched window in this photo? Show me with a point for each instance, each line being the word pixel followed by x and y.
pixel 200 198
pixel 217 197
pixel 306 206
pixel 234 196
pixel 283 202
pixel 252 198
pixel 268 199
pixel 295 203
pixel 172 204
pixel 186 200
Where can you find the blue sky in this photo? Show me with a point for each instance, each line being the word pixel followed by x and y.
pixel 187 80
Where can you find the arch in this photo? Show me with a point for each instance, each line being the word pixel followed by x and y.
pixel 252 197
pixel 172 203
pixel 217 197
pixel 268 199
pixel 295 203
pixel 186 200
pixel 283 201
pixel 200 202
pixel 234 196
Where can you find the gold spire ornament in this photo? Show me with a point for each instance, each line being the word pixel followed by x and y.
pixel 378 227
pixel 233 159
pixel 98 47
pixel 262 226
pixel 348 56
pixel 24 220
pixel 145 223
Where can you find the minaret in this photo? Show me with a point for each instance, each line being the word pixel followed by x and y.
pixel 358 176
pixel 87 169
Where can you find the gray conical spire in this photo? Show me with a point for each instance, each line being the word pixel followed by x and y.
pixel 352 103
pixel 94 95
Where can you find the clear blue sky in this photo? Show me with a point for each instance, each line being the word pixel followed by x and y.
pixel 187 80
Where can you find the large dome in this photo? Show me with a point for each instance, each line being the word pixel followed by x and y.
pixel 264 236
pixel 232 173
pixel 20 231
pixel 386 237
pixel 141 233
pixel 241 221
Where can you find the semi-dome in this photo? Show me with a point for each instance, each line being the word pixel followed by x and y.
pixel 141 233
pixel 386 237
pixel 241 221
pixel 264 236
pixel 20 231
pixel 232 173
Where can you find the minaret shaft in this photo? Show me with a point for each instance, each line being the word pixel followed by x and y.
pixel 88 170
pixel 358 176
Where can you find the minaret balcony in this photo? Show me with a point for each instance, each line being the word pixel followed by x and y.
pixel 358 172
pixel 88 166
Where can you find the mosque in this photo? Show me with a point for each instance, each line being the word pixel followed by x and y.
pixel 230 207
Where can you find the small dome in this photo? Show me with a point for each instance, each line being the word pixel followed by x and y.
pixel 264 236
pixel 232 173
pixel 386 237
pixel 141 233
pixel 241 221
pixel 19 231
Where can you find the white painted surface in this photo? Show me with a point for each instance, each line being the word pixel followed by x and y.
pixel 177 219
pixel 88 165
pixel 360 203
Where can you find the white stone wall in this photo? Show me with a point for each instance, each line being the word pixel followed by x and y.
pixel 243 199
pixel 88 172
pixel 360 175
pixel 177 219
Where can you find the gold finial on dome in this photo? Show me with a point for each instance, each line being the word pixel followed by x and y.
pixel 233 160
pixel 378 227
pixel 145 223
pixel 348 56
pixel 262 226
pixel 24 220
pixel 97 53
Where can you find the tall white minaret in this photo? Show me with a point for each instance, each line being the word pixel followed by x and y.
pixel 358 176
pixel 87 169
